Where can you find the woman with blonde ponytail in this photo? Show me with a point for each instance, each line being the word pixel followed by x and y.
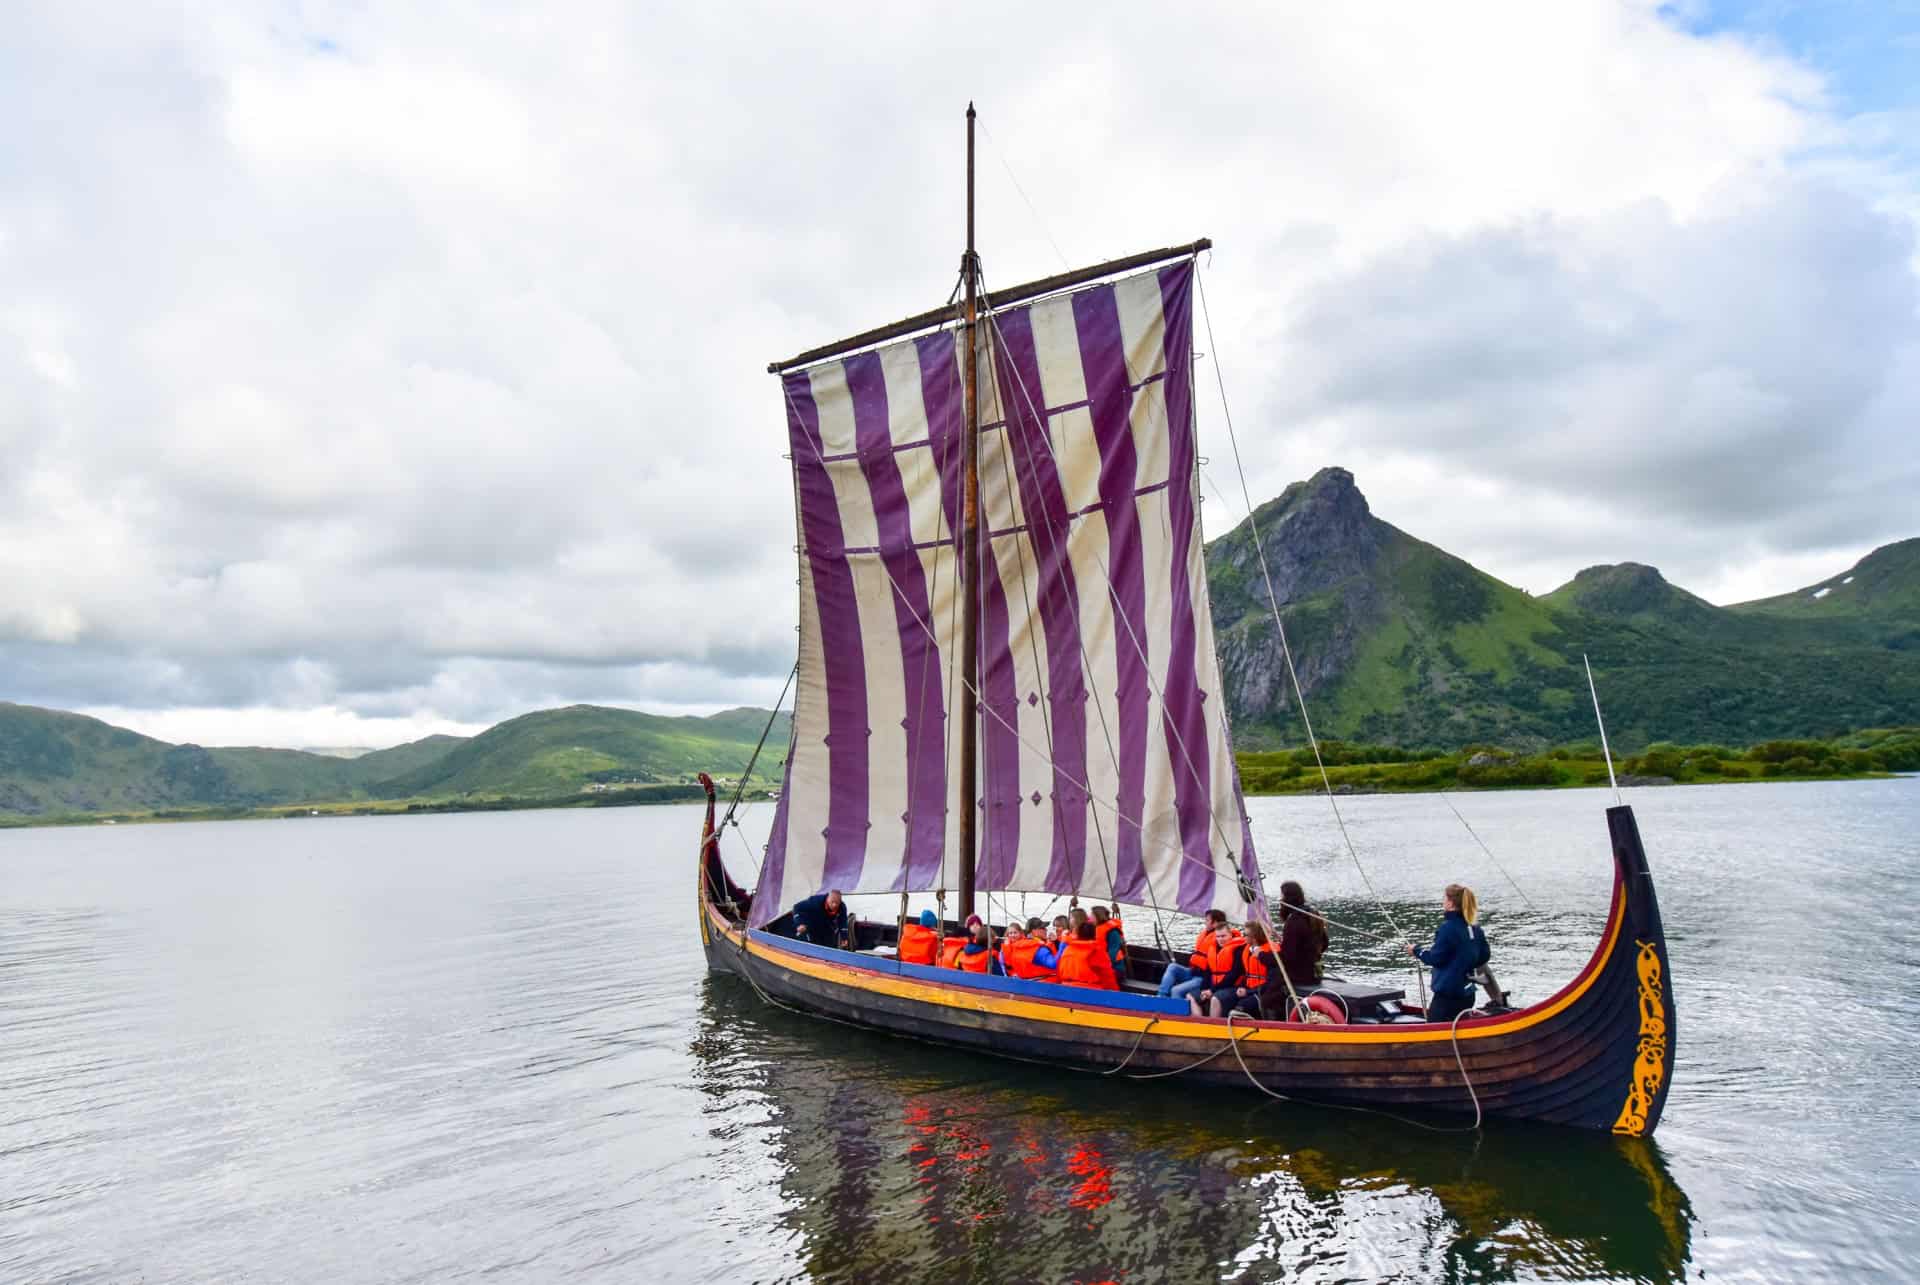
pixel 1458 948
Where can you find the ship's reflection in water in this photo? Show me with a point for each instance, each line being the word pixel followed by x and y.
pixel 898 1161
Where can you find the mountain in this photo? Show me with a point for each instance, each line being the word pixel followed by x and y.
pixel 54 763
pixel 1631 591
pixel 1398 641
pixel 558 751
pixel 1879 597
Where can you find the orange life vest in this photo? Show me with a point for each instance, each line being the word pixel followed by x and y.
pixel 1200 948
pixel 1102 931
pixel 1017 958
pixel 1084 963
pixel 918 944
pixel 1260 964
pixel 1218 959
pixel 976 961
pixel 950 948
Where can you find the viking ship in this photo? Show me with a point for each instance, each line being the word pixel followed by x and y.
pixel 1007 683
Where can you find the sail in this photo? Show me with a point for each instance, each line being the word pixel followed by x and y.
pixel 1105 768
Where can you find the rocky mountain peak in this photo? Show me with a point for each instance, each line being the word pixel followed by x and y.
pixel 1316 534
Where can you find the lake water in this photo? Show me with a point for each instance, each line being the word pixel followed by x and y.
pixel 459 1047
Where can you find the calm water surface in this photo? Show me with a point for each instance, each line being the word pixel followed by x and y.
pixel 440 1048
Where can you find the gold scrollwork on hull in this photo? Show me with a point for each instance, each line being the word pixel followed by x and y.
pixel 1650 1063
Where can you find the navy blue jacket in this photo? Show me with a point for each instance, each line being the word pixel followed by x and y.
pixel 811 921
pixel 1454 954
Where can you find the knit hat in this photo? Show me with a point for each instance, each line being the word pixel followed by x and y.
pixel 974 919
pixel 927 919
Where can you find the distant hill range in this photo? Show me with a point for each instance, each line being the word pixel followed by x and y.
pixel 1400 642
pixel 1396 642
pixel 54 763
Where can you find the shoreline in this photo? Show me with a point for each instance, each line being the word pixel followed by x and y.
pixel 319 811
pixel 1348 789
pixel 1347 781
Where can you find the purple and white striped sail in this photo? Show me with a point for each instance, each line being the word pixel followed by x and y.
pixel 1105 768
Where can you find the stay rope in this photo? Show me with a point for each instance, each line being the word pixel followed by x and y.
pixel 1286 650
pixel 1489 851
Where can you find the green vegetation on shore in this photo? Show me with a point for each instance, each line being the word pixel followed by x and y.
pixel 1365 769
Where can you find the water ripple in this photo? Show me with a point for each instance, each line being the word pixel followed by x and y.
pixel 485 1047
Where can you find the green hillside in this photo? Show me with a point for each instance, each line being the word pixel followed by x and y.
pixel 55 764
pixel 1879 597
pixel 559 751
pixel 52 762
pixel 1399 642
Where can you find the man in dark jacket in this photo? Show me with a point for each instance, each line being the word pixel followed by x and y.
pixel 822 919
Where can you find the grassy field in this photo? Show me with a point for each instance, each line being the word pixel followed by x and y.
pixel 1361 769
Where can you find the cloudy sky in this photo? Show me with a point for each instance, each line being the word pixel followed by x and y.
pixel 374 369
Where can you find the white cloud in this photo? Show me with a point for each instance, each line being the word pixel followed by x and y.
pixel 289 727
pixel 425 346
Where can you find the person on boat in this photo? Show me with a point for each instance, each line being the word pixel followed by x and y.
pixel 1181 980
pixel 1106 931
pixel 950 947
pixel 1459 947
pixel 920 939
pixel 1263 989
pixel 822 919
pixel 1084 963
pixel 1225 970
pixel 978 955
pixel 1303 937
pixel 1060 934
pixel 1025 955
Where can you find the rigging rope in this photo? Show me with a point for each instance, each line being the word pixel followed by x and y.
pixel 1175 849
pixel 1121 616
pixel 772 715
pixel 1086 660
pixel 1273 602
pixel 1489 851
pixel 1013 729
pixel 1038 221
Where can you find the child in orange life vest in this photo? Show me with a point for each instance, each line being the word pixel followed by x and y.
pixel 978 955
pixel 1262 989
pixel 920 940
pixel 951 947
pixel 1059 935
pixel 1084 963
pixel 1025 955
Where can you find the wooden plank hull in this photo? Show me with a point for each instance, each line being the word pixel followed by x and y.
pixel 1596 1055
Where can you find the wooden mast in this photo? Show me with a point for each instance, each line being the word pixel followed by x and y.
pixel 970 564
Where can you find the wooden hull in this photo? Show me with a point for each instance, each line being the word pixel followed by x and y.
pixel 1596 1055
